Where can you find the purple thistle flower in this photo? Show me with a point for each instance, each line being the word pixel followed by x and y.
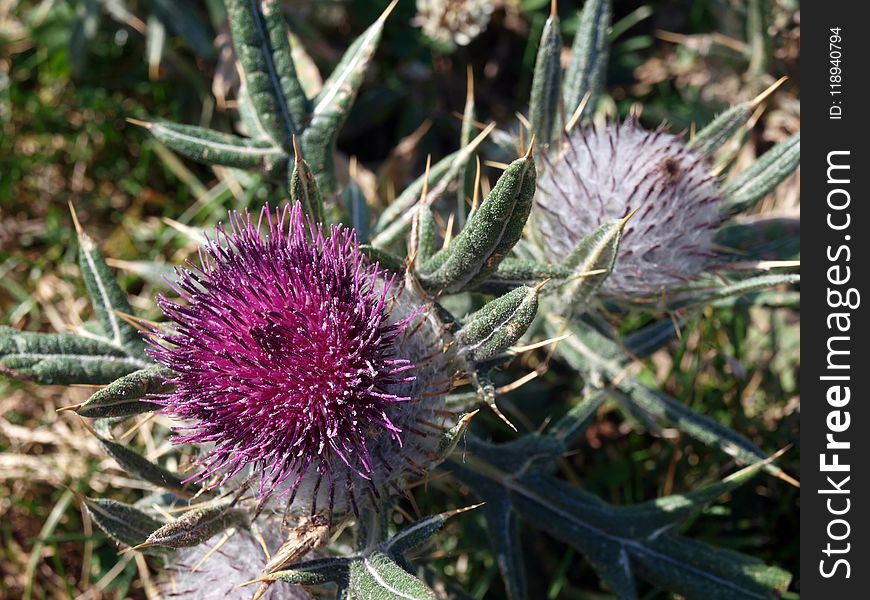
pixel 605 174
pixel 295 362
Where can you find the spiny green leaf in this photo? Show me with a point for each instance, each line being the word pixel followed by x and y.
pixel 284 65
pixel 395 222
pixel 333 104
pixel 419 533
pixel 596 356
pixel 722 128
pixel 588 63
pixel 609 537
pixel 197 526
pixel 270 76
pixel 522 271
pixel 489 234
pixel 650 519
pixel 122 522
pixel 412 193
pixel 216 148
pixel 314 572
pixel 592 261
pixel 107 297
pixel 702 572
pixel 574 422
pixel 424 233
pixel 466 176
pixel 378 577
pixel 450 439
pixel 500 323
pixel 504 535
pixel 545 102
pixel 63 358
pixel 303 188
pixel 745 286
pixel 745 190
pixel 123 397
pixel 138 466
pixel 719 130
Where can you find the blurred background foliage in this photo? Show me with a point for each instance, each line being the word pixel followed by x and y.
pixel 73 72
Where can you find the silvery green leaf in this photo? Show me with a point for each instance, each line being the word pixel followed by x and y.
pixel 108 299
pixel 216 148
pixel 397 218
pixel 764 299
pixel 758 16
pixel 648 339
pixel 489 234
pixel 512 272
pixel 140 467
pixel 419 533
pixel 124 397
pixel 523 271
pixel 600 359
pixel 618 545
pixel 592 261
pixel 412 193
pixel 502 526
pixel 723 127
pixel 314 572
pixel 466 176
pixel 377 577
pixel 263 49
pixel 333 104
pixel 304 189
pixel 499 324
pixel 423 235
pixel 124 523
pixel 451 438
pixel 719 130
pixel 588 64
pixel 745 190
pixel 197 526
pixel 572 425
pixel 710 294
pixel 650 519
pixel 545 101
pixel 706 572
pixel 63 358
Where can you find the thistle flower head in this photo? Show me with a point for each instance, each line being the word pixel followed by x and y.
pixel 606 174
pixel 192 575
pixel 296 362
pixel 453 23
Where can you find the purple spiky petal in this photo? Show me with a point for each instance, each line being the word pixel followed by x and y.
pixel 285 353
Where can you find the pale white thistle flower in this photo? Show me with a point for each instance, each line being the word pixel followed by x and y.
pixel 603 174
pixel 191 576
pixel 452 23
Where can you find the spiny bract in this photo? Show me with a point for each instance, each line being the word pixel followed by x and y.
pixel 602 174
pixel 299 364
